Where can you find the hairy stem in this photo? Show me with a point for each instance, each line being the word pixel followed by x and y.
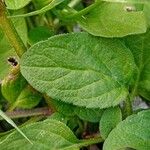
pixel 127 107
pixel 128 103
pixel 10 31
pixel 28 113
pixel 134 90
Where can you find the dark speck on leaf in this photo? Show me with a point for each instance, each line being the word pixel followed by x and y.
pixel 12 61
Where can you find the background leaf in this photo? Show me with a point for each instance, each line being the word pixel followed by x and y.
pixel 40 33
pixel 15 4
pixel 44 9
pixel 109 120
pixel 140 47
pixel 113 20
pixel 91 115
pixel 132 133
pixel 86 71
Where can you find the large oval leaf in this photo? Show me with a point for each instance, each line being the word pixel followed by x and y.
pixel 80 69
pixel 113 20
pixel 50 134
pixel 134 132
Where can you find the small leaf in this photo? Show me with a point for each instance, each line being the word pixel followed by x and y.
pixel 132 133
pixel 91 115
pixel 59 117
pixel 46 8
pixel 12 85
pixel 64 108
pixel 28 98
pixel 80 69
pixel 16 4
pixel 17 92
pixel 71 121
pixel 113 20
pixel 140 47
pixel 110 118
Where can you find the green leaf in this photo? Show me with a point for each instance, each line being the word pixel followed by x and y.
pixel 40 33
pixel 12 85
pixel 15 4
pixel 64 108
pixel 113 20
pixel 109 120
pixel 28 98
pixel 140 47
pixel 71 121
pixel 44 135
pixel 49 134
pixel 91 115
pixel 80 69
pixel 17 92
pixel 39 4
pixel 59 117
pixel 48 7
pixel 132 133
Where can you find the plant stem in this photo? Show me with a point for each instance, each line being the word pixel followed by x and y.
pixel 83 11
pixel 49 102
pixel 28 113
pixel 134 90
pixel 13 106
pixel 10 31
pixel 128 103
pixel 127 107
